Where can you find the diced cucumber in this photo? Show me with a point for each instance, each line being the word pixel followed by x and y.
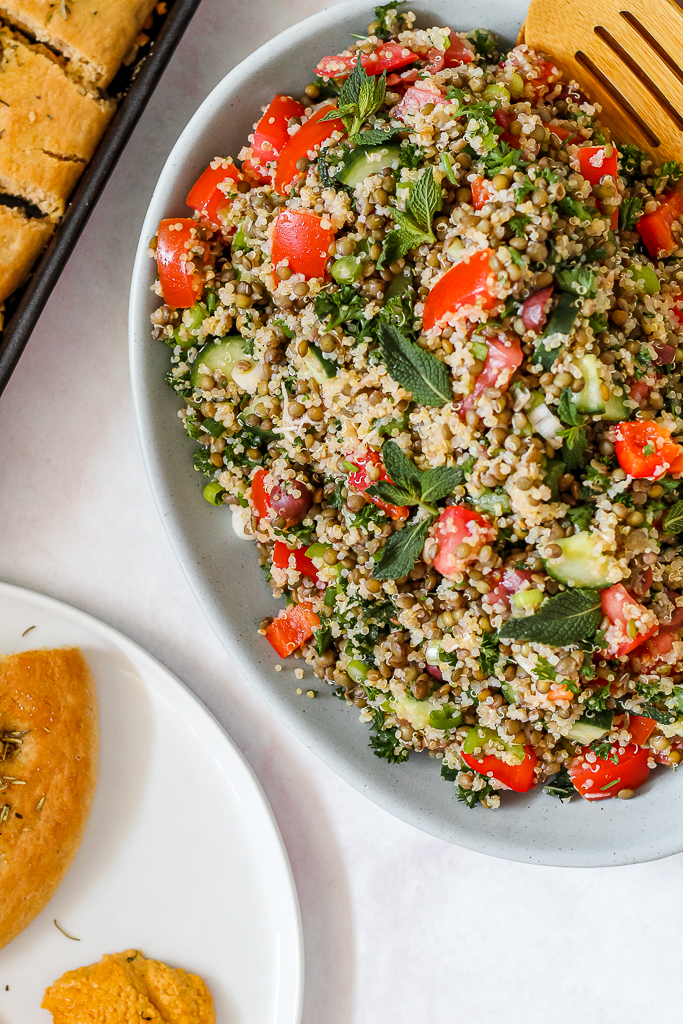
pixel 645 278
pixel 579 566
pixel 615 409
pixel 416 712
pixel 480 736
pixel 592 725
pixel 219 355
pixel 364 160
pixel 508 692
pixel 494 503
pixel 318 367
pixel 590 400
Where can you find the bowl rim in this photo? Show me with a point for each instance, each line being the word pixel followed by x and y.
pixel 386 792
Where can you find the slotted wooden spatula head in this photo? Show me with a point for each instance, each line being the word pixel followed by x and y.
pixel 628 55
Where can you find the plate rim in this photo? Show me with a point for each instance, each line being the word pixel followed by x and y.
pixel 385 795
pixel 277 879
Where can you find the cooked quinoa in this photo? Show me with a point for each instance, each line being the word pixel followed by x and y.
pixel 466 487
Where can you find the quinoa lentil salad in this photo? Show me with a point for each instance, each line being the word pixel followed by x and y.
pixel 428 336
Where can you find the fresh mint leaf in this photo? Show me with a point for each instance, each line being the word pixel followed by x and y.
pixel 402 550
pixel 397 244
pixel 423 199
pixel 673 521
pixel 567 411
pixel 414 369
pixel 439 482
pixel 375 136
pixel 402 470
pixel 629 212
pixel 360 97
pixel 563 620
pixel 388 492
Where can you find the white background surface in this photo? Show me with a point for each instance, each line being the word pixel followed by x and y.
pixel 399 927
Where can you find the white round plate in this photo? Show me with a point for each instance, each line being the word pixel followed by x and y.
pixel 532 828
pixel 181 858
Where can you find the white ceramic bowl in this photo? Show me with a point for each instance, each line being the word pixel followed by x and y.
pixel 223 570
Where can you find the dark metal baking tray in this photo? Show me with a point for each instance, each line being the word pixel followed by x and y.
pixel 27 305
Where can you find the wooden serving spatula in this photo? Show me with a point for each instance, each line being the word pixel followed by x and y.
pixel 627 55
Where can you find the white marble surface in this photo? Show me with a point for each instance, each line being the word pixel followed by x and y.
pixel 398 926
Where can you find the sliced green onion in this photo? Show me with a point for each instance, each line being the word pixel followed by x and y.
pixel 527 598
pixel 347 270
pixel 213 493
pixel 357 671
pixel 445 718
pixel 447 165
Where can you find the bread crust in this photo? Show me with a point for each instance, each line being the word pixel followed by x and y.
pixel 94 36
pixel 49 125
pixel 47 776
pixel 22 239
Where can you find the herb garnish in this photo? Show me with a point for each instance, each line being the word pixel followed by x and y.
pixel 562 620
pixel 415 224
pixel 383 741
pixel 360 97
pixel 574 435
pixel 581 516
pixel 414 369
pixel 560 786
pixel 489 653
pixel 673 520
pixel 629 212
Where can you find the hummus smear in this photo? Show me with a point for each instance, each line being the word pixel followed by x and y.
pixel 126 988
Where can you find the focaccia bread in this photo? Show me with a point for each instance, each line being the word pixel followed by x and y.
pixel 21 240
pixel 49 125
pixel 94 34
pixel 48 772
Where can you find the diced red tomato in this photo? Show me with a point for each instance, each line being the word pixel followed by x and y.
pixel 601 778
pixel 414 99
pixel 259 494
pixel 458 52
pixel 519 777
pixel 207 197
pixel 654 651
pixel 434 671
pixel 271 135
pixel 307 139
pixel 655 228
pixel 639 391
pixel 359 480
pixel 293 627
pixel 640 728
pixel 594 165
pixel 455 526
pixel 548 75
pixel 177 245
pixel 300 238
pixel 387 57
pixel 282 555
pixel 482 191
pixel 535 308
pixel 645 449
pixel 567 135
pixel 676 622
pixel 465 284
pixel 630 623
pixel 503 357
pixel 504 119
pixel 665 354
pixel 509 583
